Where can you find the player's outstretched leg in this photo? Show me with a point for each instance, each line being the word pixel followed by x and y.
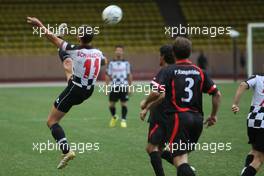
pixel 114 117
pixel 155 159
pixel 59 135
pixel 183 168
pixel 124 114
pixel 252 168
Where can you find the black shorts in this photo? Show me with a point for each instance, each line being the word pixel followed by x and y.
pixel 118 94
pixel 156 133
pixel 256 136
pixel 183 131
pixel 72 95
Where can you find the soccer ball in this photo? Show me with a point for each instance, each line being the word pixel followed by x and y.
pixel 112 14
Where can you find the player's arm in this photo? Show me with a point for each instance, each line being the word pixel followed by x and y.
pixel 49 35
pixel 104 61
pixel 130 79
pixel 150 104
pixel 156 95
pixel 107 79
pixel 108 73
pixel 210 88
pixel 153 96
pixel 157 88
pixel 216 100
pixel 240 90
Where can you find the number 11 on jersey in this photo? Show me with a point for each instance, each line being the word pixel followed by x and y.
pixel 88 67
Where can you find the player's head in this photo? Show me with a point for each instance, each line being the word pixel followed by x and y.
pixel 166 55
pixel 85 34
pixel 119 52
pixel 182 48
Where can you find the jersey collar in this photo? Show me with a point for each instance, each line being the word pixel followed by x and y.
pixel 184 61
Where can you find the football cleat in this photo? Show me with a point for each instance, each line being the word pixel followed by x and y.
pixel 113 121
pixel 65 159
pixel 123 124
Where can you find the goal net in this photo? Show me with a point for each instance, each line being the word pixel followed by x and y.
pixel 255 48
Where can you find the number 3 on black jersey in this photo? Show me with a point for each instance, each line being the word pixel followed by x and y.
pixel 188 90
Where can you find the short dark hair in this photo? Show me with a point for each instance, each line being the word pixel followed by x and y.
pixel 120 46
pixel 182 48
pixel 167 52
pixel 85 33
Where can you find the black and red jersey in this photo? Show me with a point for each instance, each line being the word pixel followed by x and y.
pixel 184 83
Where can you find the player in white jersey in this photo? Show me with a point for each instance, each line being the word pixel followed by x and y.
pixel 66 63
pixel 119 77
pixel 86 66
pixel 63 55
pixel 255 123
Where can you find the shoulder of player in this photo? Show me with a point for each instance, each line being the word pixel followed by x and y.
pixel 166 70
pixel 79 47
pixel 125 61
pixel 252 77
pixel 95 49
pixel 258 77
pixel 62 53
pixel 111 61
pixel 70 46
pixel 169 68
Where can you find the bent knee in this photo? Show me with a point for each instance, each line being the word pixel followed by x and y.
pixel 111 104
pixel 147 149
pixel 260 157
pixel 179 160
pixel 123 104
pixel 151 148
pixel 50 121
pixel 258 160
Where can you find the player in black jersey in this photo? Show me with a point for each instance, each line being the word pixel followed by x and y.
pixel 156 135
pixel 183 85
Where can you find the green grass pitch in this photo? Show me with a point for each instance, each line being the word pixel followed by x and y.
pixel 23 113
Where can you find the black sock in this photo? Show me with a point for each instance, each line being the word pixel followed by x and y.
pixel 124 112
pixel 185 170
pixel 249 159
pixel 112 110
pixel 156 163
pixel 167 156
pixel 59 135
pixel 249 171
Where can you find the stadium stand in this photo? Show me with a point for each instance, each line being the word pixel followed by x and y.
pixel 235 13
pixel 140 32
